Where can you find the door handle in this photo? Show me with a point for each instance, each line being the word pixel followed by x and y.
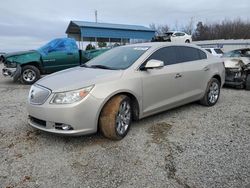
pixel 178 75
pixel 206 69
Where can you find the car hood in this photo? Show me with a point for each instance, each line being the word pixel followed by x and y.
pixel 79 77
pixel 19 53
pixel 236 62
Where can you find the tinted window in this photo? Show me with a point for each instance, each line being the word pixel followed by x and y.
pixel 187 54
pixel 218 51
pixel 209 50
pixel 167 55
pixel 179 34
pixel 203 55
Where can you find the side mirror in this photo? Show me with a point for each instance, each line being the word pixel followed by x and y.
pixel 153 64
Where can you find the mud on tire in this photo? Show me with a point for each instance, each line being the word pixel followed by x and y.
pixel 108 117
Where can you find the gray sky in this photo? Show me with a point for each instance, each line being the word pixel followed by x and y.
pixel 27 24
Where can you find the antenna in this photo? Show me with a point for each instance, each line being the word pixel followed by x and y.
pixel 95 16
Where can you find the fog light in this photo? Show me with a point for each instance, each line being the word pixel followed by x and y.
pixel 62 126
pixel 66 127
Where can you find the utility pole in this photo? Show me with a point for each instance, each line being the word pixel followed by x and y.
pixel 96 16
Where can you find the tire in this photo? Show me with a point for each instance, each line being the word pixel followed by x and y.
pixel 212 93
pixel 187 41
pixel 248 82
pixel 30 74
pixel 116 117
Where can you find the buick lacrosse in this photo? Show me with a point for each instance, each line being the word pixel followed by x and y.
pixel 124 84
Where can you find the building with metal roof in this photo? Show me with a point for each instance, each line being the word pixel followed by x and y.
pixel 107 32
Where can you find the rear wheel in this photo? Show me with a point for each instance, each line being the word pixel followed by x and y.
pixel 248 82
pixel 30 74
pixel 116 117
pixel 212 93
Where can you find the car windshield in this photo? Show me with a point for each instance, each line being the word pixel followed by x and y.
pixel 118 58
pixel 232 54
pixel 246 53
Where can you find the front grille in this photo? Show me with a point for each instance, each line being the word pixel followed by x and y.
pixel 38 121
pixel 38 94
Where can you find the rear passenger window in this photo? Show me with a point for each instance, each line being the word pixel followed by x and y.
pixel 186 54
pixel 167 55
pixel 203 55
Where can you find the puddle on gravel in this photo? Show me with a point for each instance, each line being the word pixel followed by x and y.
pixel 159 132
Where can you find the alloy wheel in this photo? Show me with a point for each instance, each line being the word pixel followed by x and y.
pixel 29 75
pixel 213 93
pixel 123 118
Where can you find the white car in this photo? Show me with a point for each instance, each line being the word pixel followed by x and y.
pixel 174 36
pixel 217 52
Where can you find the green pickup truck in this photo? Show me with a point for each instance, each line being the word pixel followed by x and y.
pixel 57 55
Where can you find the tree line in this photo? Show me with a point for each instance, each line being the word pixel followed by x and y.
pixel 227 29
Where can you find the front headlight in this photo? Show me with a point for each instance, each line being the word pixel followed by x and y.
pixel 70 97
pixel 11 64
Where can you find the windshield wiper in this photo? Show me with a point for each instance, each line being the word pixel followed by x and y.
pixel 101 67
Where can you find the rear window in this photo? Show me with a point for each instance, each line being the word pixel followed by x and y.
pixel 218 51
pixel 209 50
pixel 186 54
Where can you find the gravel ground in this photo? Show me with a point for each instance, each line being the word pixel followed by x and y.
pixel 190 146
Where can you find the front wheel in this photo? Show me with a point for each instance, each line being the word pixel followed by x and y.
pixel 212 93
pixel 116 117
pixel 30 74
pixel 248 82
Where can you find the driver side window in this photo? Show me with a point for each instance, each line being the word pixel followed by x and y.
pixel 166 54
pixel 60 47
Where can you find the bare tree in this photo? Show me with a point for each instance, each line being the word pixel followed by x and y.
pixel 160 29
pixel 189 28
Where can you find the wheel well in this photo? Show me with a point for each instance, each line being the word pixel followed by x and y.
pixel 34 64
pixel 218 78
pixel 134 103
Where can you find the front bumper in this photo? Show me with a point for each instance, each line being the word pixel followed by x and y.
pixel 235 77
pixel 82 116
pixel 12 72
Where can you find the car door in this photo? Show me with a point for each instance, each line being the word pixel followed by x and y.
pixel 180 37
pixel 194 71
pixel 162 88
pixel 61 57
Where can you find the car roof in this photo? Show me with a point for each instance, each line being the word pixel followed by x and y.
pixel 212 48
pixel 162 44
